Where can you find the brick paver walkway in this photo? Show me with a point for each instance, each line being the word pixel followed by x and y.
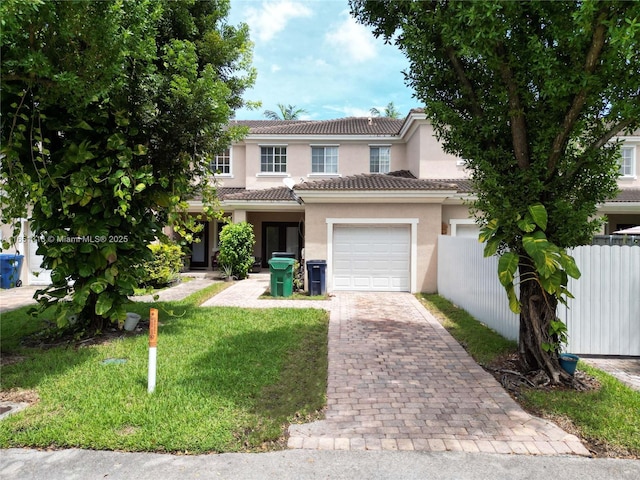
pixel 399 381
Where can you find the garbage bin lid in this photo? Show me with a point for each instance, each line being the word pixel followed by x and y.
pixel 281 261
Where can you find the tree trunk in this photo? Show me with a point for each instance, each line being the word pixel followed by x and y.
pixel 538 309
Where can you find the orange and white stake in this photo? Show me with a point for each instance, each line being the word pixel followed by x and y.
pixel 153 344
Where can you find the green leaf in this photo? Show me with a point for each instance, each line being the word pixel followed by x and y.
pixel 569 265
pixel 140 150
pixel 507 268
pixel 85 270
pixel 488 230
pixel 543 253
pixel 99 286
pixel 109 252
pixel 553 282
pixel 514 304
pixel 103 305
pixel 491 247
pixel 526 224
pixel 539 215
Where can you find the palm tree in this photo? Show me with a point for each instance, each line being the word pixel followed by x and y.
pixel 287 112
pixel 390 111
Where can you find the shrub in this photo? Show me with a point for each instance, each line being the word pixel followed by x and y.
pixel 236 248
pixel 165 266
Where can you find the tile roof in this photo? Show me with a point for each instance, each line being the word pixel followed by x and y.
pixel 340 126
pixel 377 182
pixel 265 123
pixel 276 194
pixel 400 180
pixel 627 195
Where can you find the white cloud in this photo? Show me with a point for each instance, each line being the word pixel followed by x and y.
pixel 353 39
pixel 349 111
pixel 275 68
pixel 273 17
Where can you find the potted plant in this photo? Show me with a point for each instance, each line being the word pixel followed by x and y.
pixel 568 361
pixel 226 271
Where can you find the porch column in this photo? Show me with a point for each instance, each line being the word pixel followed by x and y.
pixel 239 216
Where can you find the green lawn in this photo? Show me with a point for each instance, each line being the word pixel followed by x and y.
pixel 608 419
pixel 228 379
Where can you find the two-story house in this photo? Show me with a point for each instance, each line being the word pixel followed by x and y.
pixel 368 195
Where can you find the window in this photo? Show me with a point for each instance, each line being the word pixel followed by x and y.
pixel 627 161
pixel 273 159
pixel 221 163
pixel 324 159
pixel 379 159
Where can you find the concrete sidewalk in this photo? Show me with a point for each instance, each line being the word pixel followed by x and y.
pixel 22 464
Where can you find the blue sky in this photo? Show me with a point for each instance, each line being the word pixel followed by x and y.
pixel 312 54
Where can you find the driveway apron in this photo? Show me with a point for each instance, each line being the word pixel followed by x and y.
pixel 399 381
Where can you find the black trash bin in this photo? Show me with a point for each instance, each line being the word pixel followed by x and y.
pixel 10 267
pixel 316 271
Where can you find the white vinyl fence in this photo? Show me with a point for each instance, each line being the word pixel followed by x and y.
pixel 603 319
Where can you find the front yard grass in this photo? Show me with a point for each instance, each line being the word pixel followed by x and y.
pixel 228 380
pixel 607 419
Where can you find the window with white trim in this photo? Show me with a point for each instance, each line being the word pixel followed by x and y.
pixel 221 163
pixel 379 159
pixel 324 159
pixel 628 161
pixel 273 159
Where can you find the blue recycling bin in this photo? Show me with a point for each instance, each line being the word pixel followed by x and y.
pixel 10 267
pixel 316 272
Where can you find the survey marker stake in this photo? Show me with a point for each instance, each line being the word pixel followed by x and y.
pixel 153 344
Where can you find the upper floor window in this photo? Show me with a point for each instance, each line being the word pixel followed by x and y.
pixel 273 159
pixel 627 161
pixel 379 159
pixel 221 163
pixel 324 159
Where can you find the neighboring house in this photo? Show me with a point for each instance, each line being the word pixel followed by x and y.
pixel 368 195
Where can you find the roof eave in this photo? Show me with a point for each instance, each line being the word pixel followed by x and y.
pixel 281 137
pixel 620 207
pixel 386 196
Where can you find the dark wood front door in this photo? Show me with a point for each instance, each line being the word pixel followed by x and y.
pixel 281 237
pixel 200 250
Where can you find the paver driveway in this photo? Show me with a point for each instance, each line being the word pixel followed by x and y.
pixel 399 381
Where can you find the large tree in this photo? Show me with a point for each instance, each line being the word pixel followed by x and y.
pixel 110 112
pixel 285 112
pixel 531 95
pixel 390 111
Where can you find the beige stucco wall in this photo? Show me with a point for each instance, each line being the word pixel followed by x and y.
pixel 429 220
pixel 453 212
pixel 353 159
pixel 426 157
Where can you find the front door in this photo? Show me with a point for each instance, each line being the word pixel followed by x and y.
pixel 200 250
pixel 281 237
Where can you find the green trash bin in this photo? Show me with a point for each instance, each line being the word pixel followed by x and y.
pixel 281 270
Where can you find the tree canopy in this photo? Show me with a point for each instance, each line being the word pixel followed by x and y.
pixel 285 112
pixel 110 113
pixel 390 111
pixel 531 95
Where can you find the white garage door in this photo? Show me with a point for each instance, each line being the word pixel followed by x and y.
pixel 372 258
